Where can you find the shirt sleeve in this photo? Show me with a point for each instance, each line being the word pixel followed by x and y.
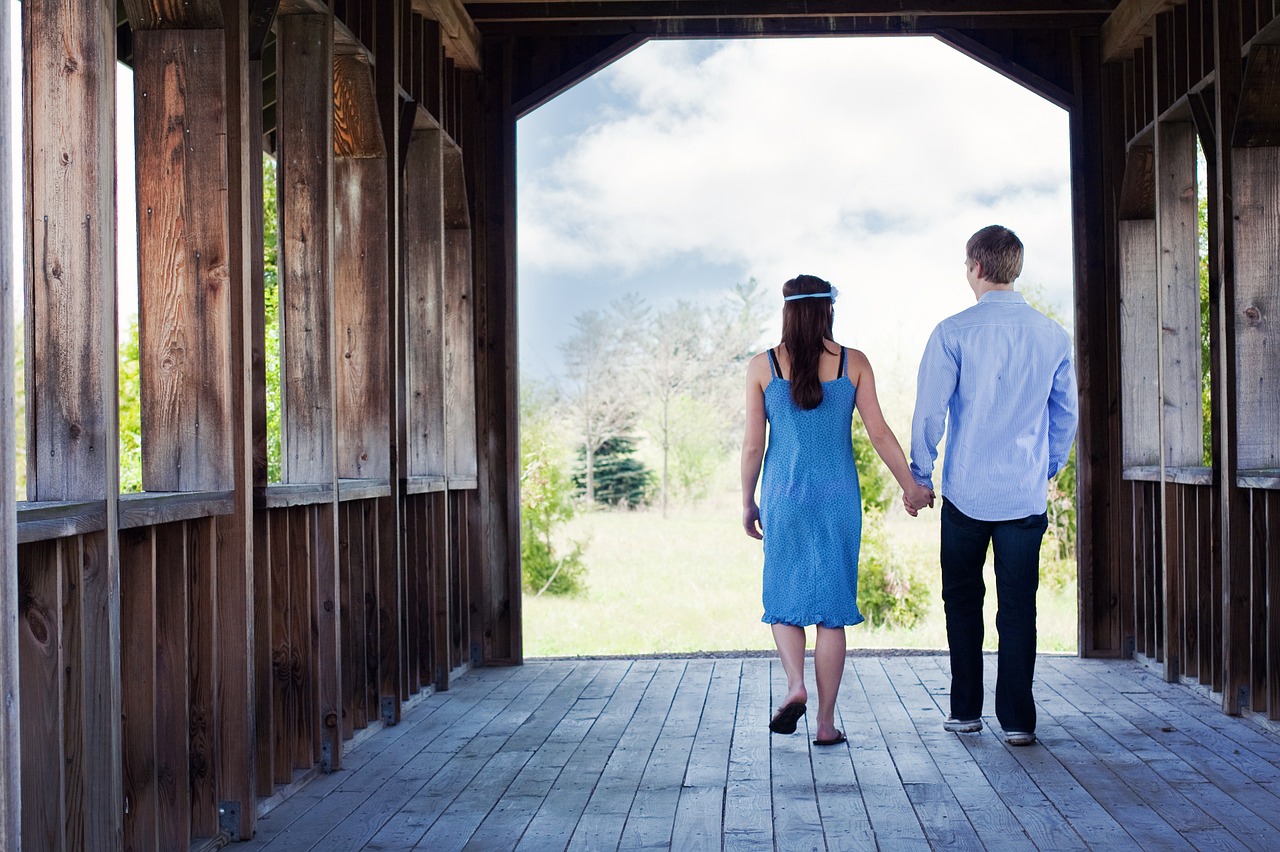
pixel 936 382
pixel 1063 413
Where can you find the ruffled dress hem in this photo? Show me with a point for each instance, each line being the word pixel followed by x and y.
pixel 828 622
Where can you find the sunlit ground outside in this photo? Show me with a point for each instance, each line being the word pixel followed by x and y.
pixel 691 583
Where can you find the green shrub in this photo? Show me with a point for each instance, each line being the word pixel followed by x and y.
pixel 545 504
pixel 889 592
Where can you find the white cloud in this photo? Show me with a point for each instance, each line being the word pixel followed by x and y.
pixel 866 161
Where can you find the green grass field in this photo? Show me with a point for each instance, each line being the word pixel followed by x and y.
pixel 691 582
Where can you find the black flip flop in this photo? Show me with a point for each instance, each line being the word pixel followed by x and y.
pixel 785 721
pixel 836 740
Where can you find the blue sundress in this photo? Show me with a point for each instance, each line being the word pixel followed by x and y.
pixel 810 506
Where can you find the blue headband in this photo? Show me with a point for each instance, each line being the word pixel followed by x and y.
pixel 830 294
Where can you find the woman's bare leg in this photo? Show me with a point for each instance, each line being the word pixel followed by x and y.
pixel 828 666
pixel 790 641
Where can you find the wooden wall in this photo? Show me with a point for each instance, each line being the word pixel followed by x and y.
pixel 1200 567
pixel 186 655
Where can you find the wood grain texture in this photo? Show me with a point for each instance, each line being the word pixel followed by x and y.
pixel 184 300
pixel 173 764
pixel 361 283
pixel 173 14
pixel 1139 343
pixel 461 38
pixel 203 660
pixel 1257 306
pixel 1179 306
pixel 1138 192
pixel 357 132
pixel 40 628
pixel 328 645
pixel 10 721
pixel 305 128
pixel 94 580
pixel 1128 24
pixel 69 158
pixel 138 669
pixel 424 302
pixel 1258 122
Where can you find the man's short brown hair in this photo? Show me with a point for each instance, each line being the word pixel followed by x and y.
pixel 999 251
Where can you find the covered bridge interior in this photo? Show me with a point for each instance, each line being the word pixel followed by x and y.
pixel 171 660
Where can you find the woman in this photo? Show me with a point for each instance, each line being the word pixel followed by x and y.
pixel 810 513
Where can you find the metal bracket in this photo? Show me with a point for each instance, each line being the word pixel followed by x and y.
pixel 1130 646
pixel 229 820
pixel 388 710
pixel 1243 699
pixel 326 757
pixel 477 654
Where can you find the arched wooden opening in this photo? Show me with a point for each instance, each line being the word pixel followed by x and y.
pixel 183 655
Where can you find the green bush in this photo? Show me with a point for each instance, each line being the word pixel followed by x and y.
pixel 621 479
pixel 545 504
pixel 889 592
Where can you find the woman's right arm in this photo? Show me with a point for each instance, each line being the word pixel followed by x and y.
pixel 753 443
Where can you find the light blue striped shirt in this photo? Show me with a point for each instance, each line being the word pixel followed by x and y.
pixel 998 376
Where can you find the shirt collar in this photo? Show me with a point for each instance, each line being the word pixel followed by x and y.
pixel 1009 296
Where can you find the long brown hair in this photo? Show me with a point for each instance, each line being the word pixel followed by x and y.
pixel 806 324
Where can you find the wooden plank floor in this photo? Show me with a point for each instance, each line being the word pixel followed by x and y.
pixel 674 753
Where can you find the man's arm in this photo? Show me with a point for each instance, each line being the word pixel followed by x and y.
pixel 936 382
pixel 1063 408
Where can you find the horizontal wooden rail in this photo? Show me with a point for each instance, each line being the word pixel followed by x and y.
pixel 1266 479
pixel 424 484
pixel 47 521
pixel 1179 475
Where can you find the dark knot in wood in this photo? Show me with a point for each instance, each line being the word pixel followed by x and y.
pixel 1253 314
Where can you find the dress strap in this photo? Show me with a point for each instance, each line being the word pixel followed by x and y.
pixel 843 362
pixel 773 365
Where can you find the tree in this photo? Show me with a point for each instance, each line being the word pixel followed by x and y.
pixel 545 499
pixel 271 299
pixel 600 398
pixel 675 359
pixel 620 478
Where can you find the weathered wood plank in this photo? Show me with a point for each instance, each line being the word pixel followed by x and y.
pixel 266 681
pixel 173 14
pixel 1139 340
pixel 1178 271
pixel 327 646
pixel 438 588
pixel 347 615
pixel 357 683
pixel 356 129
pixel 10 724
pixel 184 301
pixel 1257 302
pixel 360 283
pixel 413 550
pixel 203 660
pixel 1273 611
pixel 748 817
pixel 138 669
pixel 698 822
pixel 1258 121
pixel 280 639
pixel 461 38
pixel 459 347
pixel 40 629
pixel 391 640
pixel 369 566
pixel 303 730
pixel 424 294
pixel 173 764
pixel 305 129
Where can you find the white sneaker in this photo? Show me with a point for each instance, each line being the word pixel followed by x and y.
pixel 962 726
pixel 1019 738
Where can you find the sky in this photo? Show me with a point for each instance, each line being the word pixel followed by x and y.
pixel 688 166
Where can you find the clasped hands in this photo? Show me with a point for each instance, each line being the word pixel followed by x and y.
pixel 916 498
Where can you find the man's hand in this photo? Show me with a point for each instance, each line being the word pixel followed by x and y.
pixel 916 498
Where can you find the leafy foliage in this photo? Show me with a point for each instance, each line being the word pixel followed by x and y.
pixel 545 505
pixel 879 489
pixel 130 383
pixel 890 594
pixel 271 297
pixel 621 479
pixel 1206 361
pixel 20 416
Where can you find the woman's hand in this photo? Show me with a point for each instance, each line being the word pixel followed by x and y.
pixel 916 497
pixel 751 520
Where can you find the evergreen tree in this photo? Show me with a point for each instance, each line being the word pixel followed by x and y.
pixel 620 479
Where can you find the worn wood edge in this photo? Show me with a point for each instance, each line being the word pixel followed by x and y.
pixel 1206 693
pixel 1128 24
pixel 283 495
pixel 191 15
pixel 45 521
pixel 362 489
pixel 424 484
pixel 461 36
pixel 209 844
pixel 1138 187
pixel 1261 479
pixel 462 483
pixel 1175 475
pixel 151 508
pixel 1258 119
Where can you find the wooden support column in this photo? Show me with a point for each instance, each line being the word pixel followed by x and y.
pixel 1097 324
pixel 69 129
pixel 1233 540
pixel 497 597
pixel 305 131
pixel 10 721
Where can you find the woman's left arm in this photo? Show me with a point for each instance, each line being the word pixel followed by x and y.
pixel 882 437
pixel 753 442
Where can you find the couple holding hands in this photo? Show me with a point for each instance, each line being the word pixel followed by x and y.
pixel 998 379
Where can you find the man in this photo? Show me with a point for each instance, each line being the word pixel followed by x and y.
pixel 998 377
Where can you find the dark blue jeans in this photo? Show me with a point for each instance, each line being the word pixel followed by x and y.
pixel 1017 552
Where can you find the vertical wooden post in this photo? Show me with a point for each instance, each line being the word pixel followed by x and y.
pixel 1097 346
pixel 305 86
pixel 69 124
pixel 1233 534
pixel 494 144
pixel 10 720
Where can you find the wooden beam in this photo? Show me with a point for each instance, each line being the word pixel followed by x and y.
pixel 1138 191
pixel 483 11
pixel 10 722
pixel 976 48
pixel 184 302
pixel 261 16
pixel 357 132
pixel 173 14
pixel 1128 25
pixel 1139 342
pixel 69 181
pixel 461 37
pixel 1258 120
pixel 424 289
